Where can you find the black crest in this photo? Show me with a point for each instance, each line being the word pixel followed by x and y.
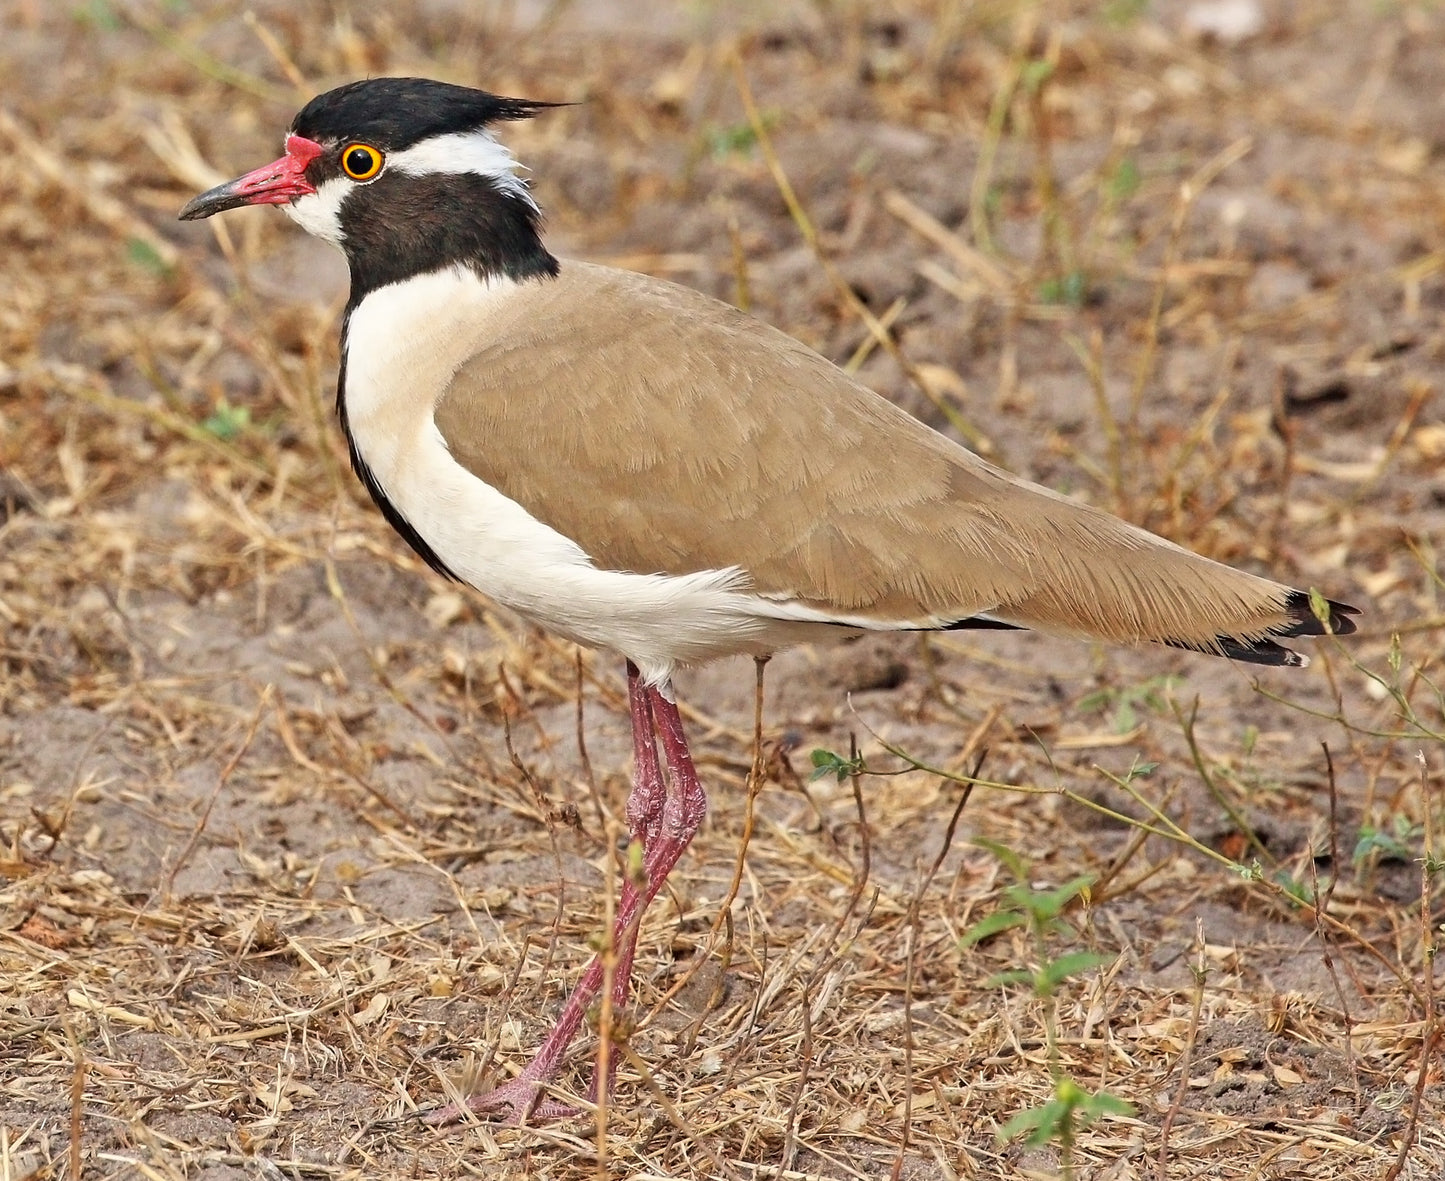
pixel 394 113
pixel 401 224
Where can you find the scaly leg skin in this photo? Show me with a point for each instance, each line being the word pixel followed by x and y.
pixel 645 806
pixel 681 816
pixel 649 793
pixel 665 824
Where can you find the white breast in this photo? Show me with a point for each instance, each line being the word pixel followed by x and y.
pixel 404 344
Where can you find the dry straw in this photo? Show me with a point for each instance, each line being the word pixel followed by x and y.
pixel 296 841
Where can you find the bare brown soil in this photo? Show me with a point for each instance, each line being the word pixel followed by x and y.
pixel 296 839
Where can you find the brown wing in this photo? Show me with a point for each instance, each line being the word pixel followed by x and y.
pixel 667 432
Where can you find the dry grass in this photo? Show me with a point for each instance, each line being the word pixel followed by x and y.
pixel 294 838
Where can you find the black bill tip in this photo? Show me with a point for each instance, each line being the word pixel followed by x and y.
pixel 217 200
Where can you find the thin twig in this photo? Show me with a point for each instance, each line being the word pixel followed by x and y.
pixel 915 907
pixel 540 801
pixel 206 63
pixel 284 61
pixel 77 1102
pixel 1431 1038
pixel 1170 831
pixel 1236 818
pixel 860 882
pixel 81 184
pixel 1201 972
pixel 669 1109
pixel 756 779
pixel 226 772
pixel 1322 906
pixel 608 952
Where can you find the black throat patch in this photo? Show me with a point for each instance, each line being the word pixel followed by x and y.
pixel 400 225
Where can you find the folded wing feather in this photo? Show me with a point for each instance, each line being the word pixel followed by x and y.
pixel 667 432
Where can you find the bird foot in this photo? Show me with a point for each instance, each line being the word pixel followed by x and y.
pixel 517 1103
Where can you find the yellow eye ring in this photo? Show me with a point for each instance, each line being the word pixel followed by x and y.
pixel 360 161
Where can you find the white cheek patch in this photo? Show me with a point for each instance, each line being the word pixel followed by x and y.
pixel 319 213
pixel 464 151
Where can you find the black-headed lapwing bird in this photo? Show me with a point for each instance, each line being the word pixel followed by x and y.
pixel 643 469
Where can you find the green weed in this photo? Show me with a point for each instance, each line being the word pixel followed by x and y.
pixel 1042 912
pixel 227 422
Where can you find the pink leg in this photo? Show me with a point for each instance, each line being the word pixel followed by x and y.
pixel 664 824
pixel 683 813
pixel 677 821
pixel 680 817
pixel 645 806
pixel 649 793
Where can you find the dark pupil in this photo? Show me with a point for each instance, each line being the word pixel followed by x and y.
pixel 358 160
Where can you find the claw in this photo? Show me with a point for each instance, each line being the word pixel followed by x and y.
pixel 517 1102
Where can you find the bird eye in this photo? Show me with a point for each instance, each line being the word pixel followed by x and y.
pixel 360 161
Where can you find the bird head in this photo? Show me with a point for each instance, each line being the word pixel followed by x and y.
pixel 403 174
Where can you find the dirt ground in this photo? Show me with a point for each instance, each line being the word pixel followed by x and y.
pixel 297 839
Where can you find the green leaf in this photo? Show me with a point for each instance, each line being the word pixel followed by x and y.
pixel 144 255
pixel 99 15
pixel 1012 976
pixel 1035 74
pixel 738 138
pixel 728 141
pixel 1293 886
pixel 1070 289
pixel 1055 972
pixel 1124 12
pixel 1016 864
pixel 1099 1105
pixel 1124 183
pixel 1000 920
pixel 1042 1123
pixel 826 762
pixel 228 421
pixel 1049 904
pixel 1068 1092
pixel 1394 844
pixel 636 870
pixel 1055 1118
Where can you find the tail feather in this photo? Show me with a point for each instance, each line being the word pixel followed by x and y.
pixel 1303 622
pixel 1307 623
pixel 1248 651
pixel 1256 648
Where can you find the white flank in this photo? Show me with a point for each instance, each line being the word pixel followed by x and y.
pixel 319 213
pixel 405 342
pixel 464 151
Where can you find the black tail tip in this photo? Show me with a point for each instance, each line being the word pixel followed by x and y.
pixel 1301 606
pixel 1265 652
pixel 1304 621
